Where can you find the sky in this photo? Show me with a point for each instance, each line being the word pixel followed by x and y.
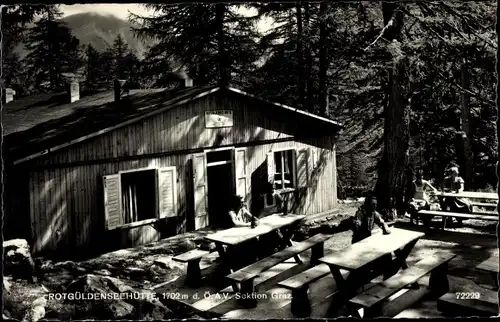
pixel 121 10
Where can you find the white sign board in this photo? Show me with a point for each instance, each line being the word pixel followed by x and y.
pixel 222 118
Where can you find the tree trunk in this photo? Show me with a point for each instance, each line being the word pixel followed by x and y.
pixel 301 84
pixel 498 128
pixel 323 64
pixel 390 184
pixel 466 137
pixel 223 59
pixel 308 65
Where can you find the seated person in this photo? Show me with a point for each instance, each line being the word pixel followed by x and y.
pixel 239 216
pixel 363 221
pixel 421 198
pixel 362 225
pixel 454 183
pixel 238 213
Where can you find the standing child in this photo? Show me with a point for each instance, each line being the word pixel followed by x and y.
pixel 420 199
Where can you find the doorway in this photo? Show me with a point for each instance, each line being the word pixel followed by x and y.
pixel 220 186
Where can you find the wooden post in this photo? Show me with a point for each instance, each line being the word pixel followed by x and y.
pixel 193 277
pixel 248 299
pixel 317 252
pixel 301 307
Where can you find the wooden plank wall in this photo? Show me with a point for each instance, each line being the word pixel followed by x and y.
pixel 67 209
pixel 67 206
pixel 181 128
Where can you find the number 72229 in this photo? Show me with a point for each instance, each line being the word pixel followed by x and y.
pixel 468 295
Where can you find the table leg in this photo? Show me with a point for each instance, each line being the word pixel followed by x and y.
pixel 400 260
pixel 402 254
pixel 301 307
pixel 226 263
pixel 443 223
pixel 339 279
pixel 248 299
pixel 438 281
pixel 316 253
pixel 287 241
pixel 194 273
pixel 346 288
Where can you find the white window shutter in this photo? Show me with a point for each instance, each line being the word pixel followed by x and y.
pixel 112 201
pixel 270 167
pixel 200 190
pixel 240 167
pixel 314 158
pixel 167 192
pixel 302 165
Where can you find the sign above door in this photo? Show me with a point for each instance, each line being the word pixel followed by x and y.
pixel 216 119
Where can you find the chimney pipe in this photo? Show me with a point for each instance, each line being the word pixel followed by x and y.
pixel 188 82
pixel 8 95
pixel 73 90
pixel 119 89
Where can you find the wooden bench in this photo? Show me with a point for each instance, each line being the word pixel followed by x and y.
pixel 372 299
pixel 468 299
pixel 483 204
pixel 299 284
pixel 192 257
pixel 446 214
pixel 245 276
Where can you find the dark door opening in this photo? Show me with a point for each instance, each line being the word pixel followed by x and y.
pixel 220 190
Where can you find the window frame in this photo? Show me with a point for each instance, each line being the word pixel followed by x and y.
pixel 157 200
pixel 293 171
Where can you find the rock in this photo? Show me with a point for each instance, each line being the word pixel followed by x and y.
pixel 67 264
pixel 135 271
pixel 164 262
pixel 47 265
pixel 6 285
pixel 41 301
pixel 114 308
pixel 152 309
pixel 185 245
pixel 98 284
pixel 103 272
pixel 206 245
pixel 17 259
pixel 110 267
pixel 37 310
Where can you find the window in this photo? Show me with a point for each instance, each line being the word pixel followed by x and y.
pixel 138 197
pixel 284 169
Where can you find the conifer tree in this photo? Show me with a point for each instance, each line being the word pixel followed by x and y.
pixel 53 50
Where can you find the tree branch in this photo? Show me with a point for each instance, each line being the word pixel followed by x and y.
pixel 476 96
pixel 459 32
pixel 389 24
pixel 456 14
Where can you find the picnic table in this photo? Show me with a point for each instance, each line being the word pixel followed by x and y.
pixel 491 265
pixel 363 255
pixel 469 194
pixel 232 237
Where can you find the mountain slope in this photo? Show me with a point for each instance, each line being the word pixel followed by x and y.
pixel 100 31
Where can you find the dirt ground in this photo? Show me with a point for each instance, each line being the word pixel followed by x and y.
pixel 473 243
